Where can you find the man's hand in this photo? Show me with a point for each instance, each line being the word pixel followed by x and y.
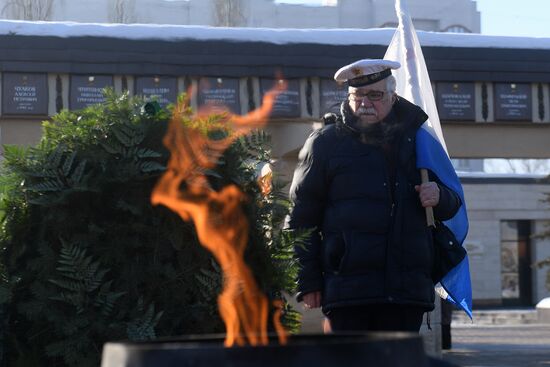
pixel 312 300
pixel 428 193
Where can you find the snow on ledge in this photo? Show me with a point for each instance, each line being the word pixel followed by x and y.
pixel 375 36
pixel 531 176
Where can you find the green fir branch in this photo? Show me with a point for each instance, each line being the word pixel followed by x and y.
pixel 143 327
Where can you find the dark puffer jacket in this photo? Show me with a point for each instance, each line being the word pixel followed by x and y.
pixel 371 243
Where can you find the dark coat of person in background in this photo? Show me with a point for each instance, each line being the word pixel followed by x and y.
pixel 369 259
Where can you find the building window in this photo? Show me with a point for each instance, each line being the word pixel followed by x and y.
pixel 430 25
pixel 389 25
pixel 457 29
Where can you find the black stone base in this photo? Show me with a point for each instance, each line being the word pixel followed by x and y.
pixel 349 350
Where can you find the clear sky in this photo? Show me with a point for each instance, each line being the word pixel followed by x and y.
pixel 501 17
pixel 515 18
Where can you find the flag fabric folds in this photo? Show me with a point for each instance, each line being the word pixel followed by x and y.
pixel 413 83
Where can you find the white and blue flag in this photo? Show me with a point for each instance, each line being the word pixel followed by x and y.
pixel 413 83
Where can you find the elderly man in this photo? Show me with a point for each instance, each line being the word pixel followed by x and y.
pixel 369 258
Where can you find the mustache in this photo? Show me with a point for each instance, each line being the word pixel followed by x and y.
pixel 366 111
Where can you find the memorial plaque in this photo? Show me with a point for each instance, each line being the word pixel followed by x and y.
pixel 162 89
pixel 513 101
pixel 220 92
pixel 332 95
pixel 456 101
pixel 24 94
pixel 87 90
pixel 287 103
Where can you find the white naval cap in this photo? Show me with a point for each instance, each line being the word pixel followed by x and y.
pixel 365 72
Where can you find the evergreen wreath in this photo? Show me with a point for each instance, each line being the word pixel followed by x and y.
pixel 85 258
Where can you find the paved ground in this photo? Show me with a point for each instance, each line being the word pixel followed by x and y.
pixel 500 345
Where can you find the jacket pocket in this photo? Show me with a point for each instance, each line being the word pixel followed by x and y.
pixel 364 252
pixel 333 252
pixel 419 250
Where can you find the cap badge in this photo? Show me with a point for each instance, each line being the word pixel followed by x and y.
pixel 357 71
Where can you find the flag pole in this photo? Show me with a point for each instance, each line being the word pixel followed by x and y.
pixel 429 210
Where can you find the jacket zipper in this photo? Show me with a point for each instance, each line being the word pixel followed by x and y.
pixel 390 229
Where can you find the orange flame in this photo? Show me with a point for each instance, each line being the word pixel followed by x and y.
pixel 219 218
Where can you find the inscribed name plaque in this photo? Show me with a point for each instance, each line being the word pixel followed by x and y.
pixel 220 92
pixel 87 90
pixel 513 101
pixel 287 103
pixel 161 89
pixel 332 95
pixel 24 94
pixel 456 101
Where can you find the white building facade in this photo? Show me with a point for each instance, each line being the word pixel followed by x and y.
pixel 429 15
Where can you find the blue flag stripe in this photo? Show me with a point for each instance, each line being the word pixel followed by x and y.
pixel 457 285
pixel 431 155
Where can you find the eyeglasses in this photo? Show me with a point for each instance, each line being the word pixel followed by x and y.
pixel 373 95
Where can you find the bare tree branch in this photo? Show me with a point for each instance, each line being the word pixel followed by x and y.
pixel 28 9
pixel 228 13
pixel 541 166
pixel 122 11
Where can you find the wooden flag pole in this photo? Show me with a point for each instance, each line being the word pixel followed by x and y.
pixel 429 210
